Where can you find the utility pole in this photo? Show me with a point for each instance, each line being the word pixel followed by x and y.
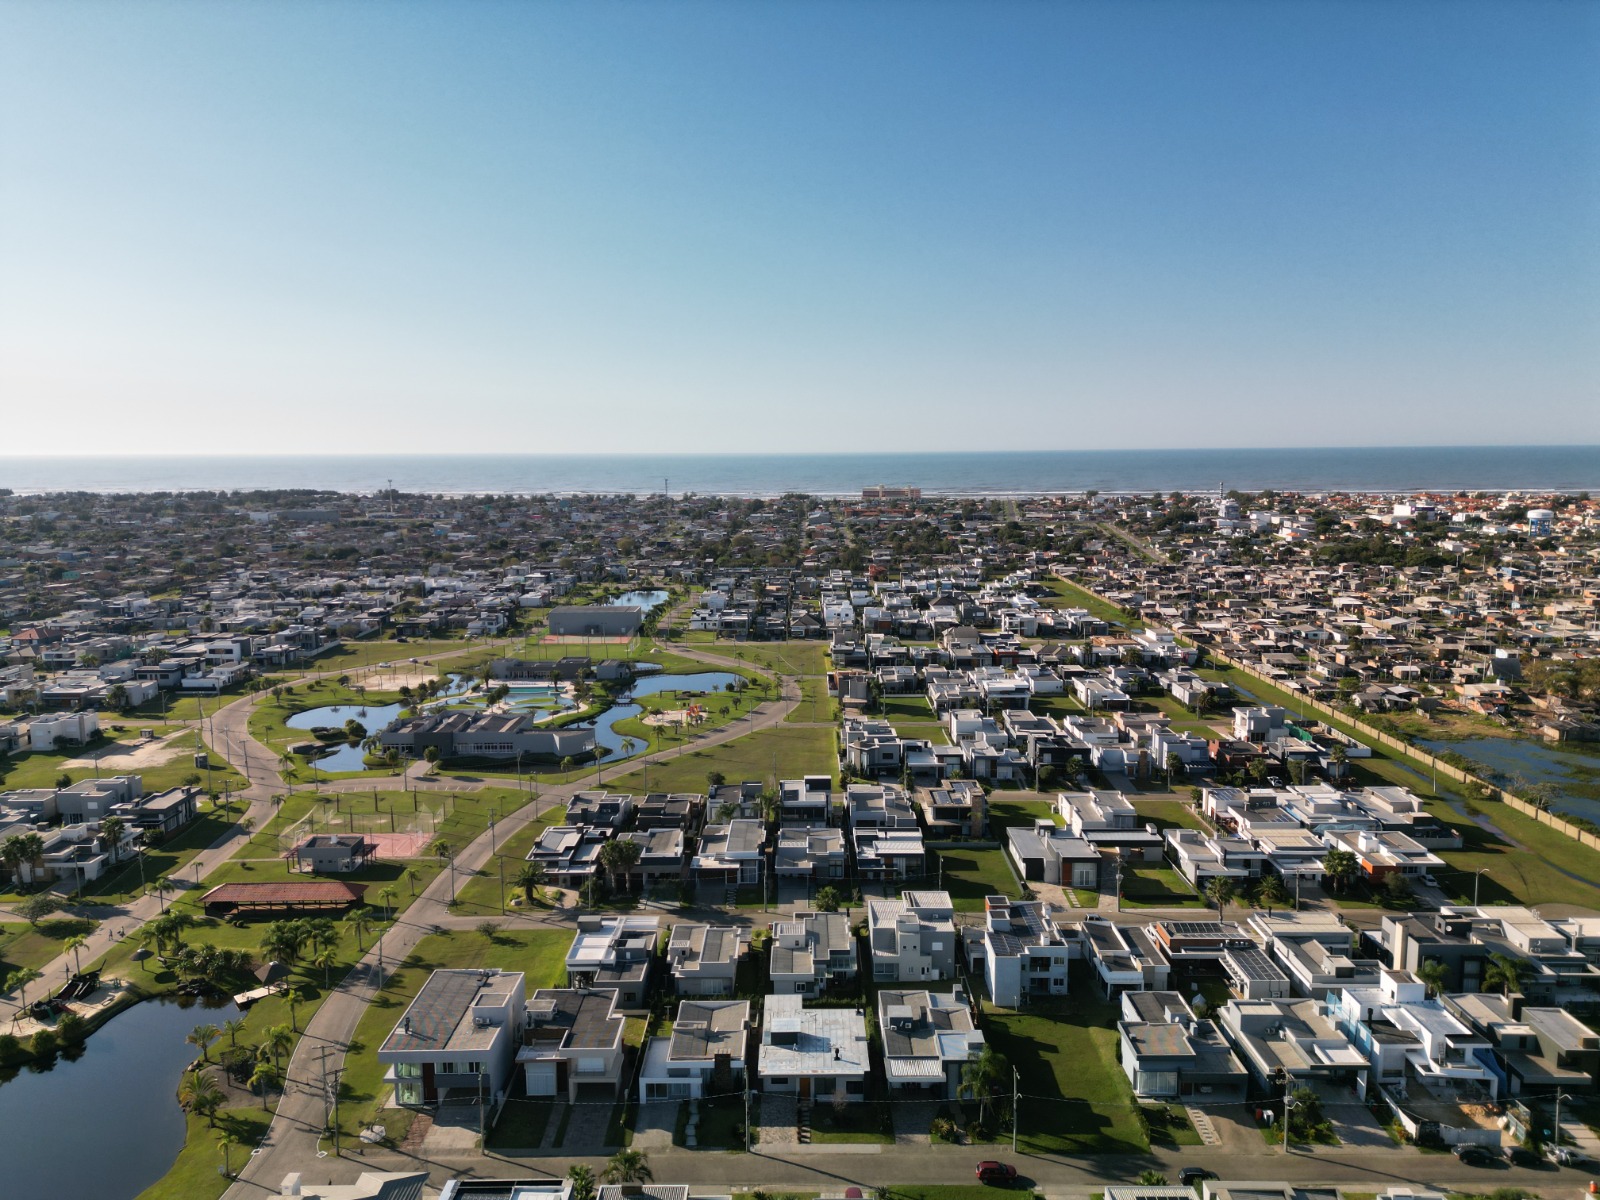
pixel 1016 1112
pixel 747 1112
pixel 502 886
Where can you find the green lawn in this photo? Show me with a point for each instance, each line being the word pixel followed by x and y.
pixel 165 859
pixel 1165 814
pixel 1073 596
pixel 926 731
pixel 194 1176
pixel 521 1125
pixel 482 892
pixel 1005 812
pixel 539 953
pixel 1076 1100
pixel 1151 886
pixel 970 875
pixel 787 658
pixel 907 708
pixel 784 752
pixel 24 945
pixel 815 703
pixel 867 1122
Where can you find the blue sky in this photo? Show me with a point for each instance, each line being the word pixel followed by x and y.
pixel 800 226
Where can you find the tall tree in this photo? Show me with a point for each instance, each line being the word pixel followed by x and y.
pixel 1220 890
pixel 201 1036
pixel 199 1093
pixel 981 1076
pixel 1340 866
pixel 618 857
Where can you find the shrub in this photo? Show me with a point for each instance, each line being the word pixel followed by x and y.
pixel 977 1131
pixel 942 1129
pixel 71 1028
pixel 45 1043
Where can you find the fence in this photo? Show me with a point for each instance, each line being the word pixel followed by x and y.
pixel 397 826
pixel 1401 746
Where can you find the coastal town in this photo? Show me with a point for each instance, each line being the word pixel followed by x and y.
pixel 1231 844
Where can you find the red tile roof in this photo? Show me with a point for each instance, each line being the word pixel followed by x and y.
pixel 286 893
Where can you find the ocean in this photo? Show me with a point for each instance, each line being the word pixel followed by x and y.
pixel 1320 469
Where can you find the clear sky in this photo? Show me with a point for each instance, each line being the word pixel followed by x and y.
pixel 801 226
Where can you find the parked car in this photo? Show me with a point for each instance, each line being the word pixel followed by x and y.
pixel 1430 880
pixel 1000 1173
pixel 1475 1156
pixel 1189 1176
pixel 1521 1156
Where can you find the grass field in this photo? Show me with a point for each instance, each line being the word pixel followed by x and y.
pixel 1165 814
pixel 786 658
pixel 970 875
pixel 195 1175
pixel 1076 1099
pixel 1071 595
pixel 784 752
pixel 1150 886
pixel 815 703
pixel 482 892
pixel 24 945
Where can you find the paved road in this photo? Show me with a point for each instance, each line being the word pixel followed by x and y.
pixel 833 1167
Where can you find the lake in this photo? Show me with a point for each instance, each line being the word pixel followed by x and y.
pixel 1505 759
pixel 124 1087
pixel 647 600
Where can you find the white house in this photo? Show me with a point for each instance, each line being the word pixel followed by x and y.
pixel 705 1054
pixel 816 1053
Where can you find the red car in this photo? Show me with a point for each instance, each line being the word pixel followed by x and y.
pixel 1001 1173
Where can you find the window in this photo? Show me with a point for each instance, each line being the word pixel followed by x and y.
pixel 408 1070
pixel 779 1081
pixel 825 1087
pixel 447 1068
pixel 474 1068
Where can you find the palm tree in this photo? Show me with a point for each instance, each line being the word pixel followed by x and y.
pixel 1340 866
pixel 360 924
pixel 111 831
pixel 412 876
pixel 628 1166
pixel 1152 1179
pixel 387 896
pixel 1174 763
pixel 277 1040
pixel 18 982
pixel 530 879
pixel 1220 890
pixel 263 1076
pixel 233 1027
pixel 325 959
pixel 979 1078
pixel 199 1093
pixel 202 1036
pixel 1505 972
pixel 225 1141
pixel 1434 975
pixel 627 746
pixel 294 996
pixel 583 1182
pixel 619 856
pixel 75 943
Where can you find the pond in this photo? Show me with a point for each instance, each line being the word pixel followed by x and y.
pixel 1507 759
pixel 105 1125
pixel 700 684
pixel 647 600
pixel 345 757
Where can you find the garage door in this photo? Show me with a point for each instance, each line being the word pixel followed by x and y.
pixel 541 1079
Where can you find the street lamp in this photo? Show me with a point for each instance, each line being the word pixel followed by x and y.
pixel 1560 1096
